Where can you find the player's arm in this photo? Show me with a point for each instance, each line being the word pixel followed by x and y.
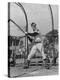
pixel 33 34
pixel 30 39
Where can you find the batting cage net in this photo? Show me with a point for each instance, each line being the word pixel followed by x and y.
pixel 17 26
pixel 19 17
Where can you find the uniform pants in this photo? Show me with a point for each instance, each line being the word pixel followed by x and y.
pixel 39 47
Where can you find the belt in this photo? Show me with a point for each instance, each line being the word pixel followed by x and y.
pixel 38 42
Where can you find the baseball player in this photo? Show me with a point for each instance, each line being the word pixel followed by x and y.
pixel 35 38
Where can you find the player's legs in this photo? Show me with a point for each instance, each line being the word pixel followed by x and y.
pixel 32 52
pixel 45 60
pixel 39 46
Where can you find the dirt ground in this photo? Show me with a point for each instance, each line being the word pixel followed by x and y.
pixel 33 70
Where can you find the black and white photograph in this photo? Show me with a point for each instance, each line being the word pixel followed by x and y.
pixel 33 39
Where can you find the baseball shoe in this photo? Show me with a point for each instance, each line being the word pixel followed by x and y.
pixel 27 64
pixel 47 63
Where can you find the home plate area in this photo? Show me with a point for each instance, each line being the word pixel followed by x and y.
pixel 34 70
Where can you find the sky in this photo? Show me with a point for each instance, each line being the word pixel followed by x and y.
pixel 38 13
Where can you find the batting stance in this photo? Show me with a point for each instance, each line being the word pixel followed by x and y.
pixel 35 38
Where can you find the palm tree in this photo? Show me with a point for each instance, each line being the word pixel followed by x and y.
pixel 52 33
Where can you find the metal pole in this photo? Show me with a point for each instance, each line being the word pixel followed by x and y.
pixel 52 31
pixel 8 41
pixel 51 17
pixel 15 52
pixel 26 38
